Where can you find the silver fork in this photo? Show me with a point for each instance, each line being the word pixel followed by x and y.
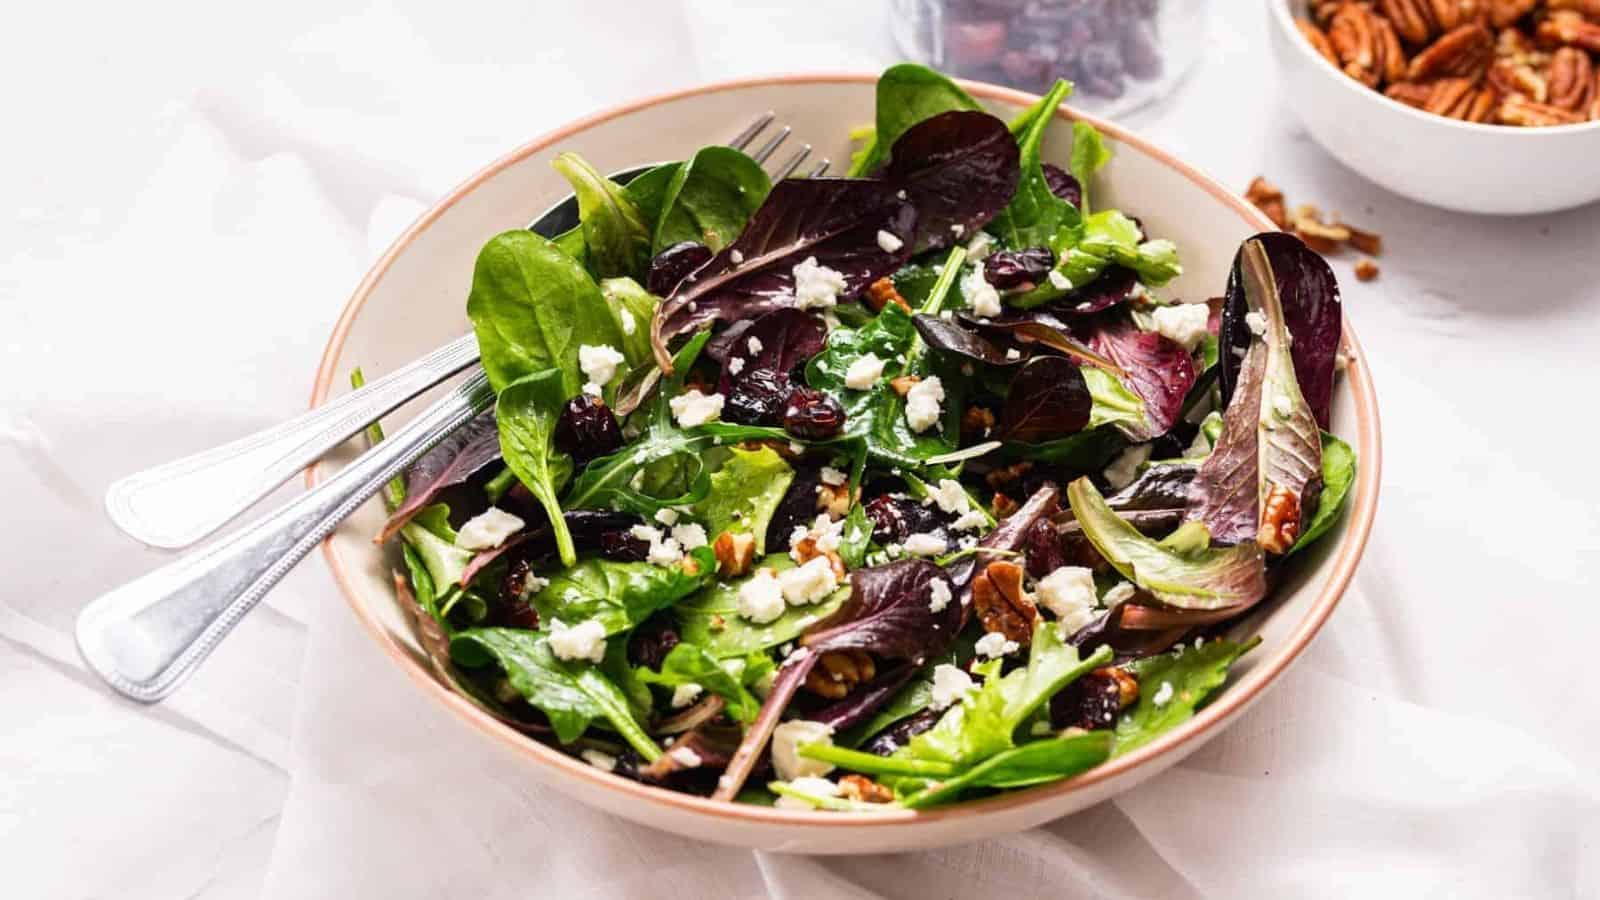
pixel 176 504
pixel 146 637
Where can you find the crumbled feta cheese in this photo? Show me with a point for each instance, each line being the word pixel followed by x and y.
pixel 1163 694
pixel 1059 280
pixel 808 583
pixel 924 545
pixel 1069 593
pixel 971 520
pixel 585 640
pixel 1125 468
pixel 689 535
pixel 599 363
pixel 666 515
pixel 685 694
pixel 830 475
pixel 1282 405
pixel 605 762
pixel 1183 324
pixel 950 684
pixel 760 599
pixel 981 245
pixel 629 326
pixel 694 408
pixel 888 242
pixel 788 737
pixel 735 257
pixel 816 286
pixel 488 529
pixel 949 495
pixel 864 372
pixel 980 294
pixel 592 389
pixel 1257 322
pixel 816 787
pixel 922 404
pixel 754 344
pixel 901 193
pixel 938 595
pixel 958 229
pixel 685 757
pixel 664 551
pixel 1118 593
pixel 735 365
pixel 1013 353
pixel 994 644
pixel 533 584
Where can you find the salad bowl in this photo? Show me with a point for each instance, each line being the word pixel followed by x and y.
pixel 413 298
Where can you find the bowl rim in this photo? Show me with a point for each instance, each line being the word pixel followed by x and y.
pixel 1283 14
pixel 1359 516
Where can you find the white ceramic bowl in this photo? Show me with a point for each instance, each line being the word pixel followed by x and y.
pixel 1461 166
pixel 414 298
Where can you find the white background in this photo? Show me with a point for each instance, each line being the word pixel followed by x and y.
pixel 189 193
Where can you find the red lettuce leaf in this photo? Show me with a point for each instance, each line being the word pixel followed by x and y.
pixel 788 338
pixel 864 700
pixel 455 459
pixel 1063 184
pixel 1115 285
pixel 958 169
pixel 1038 326
pixel 1048 399
pixel 946 336
pixel 1154 367
pixel 888 614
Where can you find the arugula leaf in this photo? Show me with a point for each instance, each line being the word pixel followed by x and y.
pixel 1036 762
pixel 1182 680
pixel 527 410
pixel 1338 475
pixel 710 198
pixel 633 307
pixel 570 695
pixel 531 307
pixel 690 664
pixel 711 618
pixel 1089 155
pixel 907 94
pixel 1035 215
pixel 1183 571
pixel 615 232
pixel 745 492
pixel 620 595
pixel 429 534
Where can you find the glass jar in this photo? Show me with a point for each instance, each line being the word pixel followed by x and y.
pixel 1120 54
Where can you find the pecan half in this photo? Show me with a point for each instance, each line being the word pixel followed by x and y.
pixel 862 789
pixel 1413 19
pixel 1589 8
pixel 1280 521
pixel 1322 11
pixel 1518 111
pixel 837 672
pixel 1570 28
pixel 1001 603
pixel 1571 79
pixel 1410 93
pixel 1463 52
pixel 882 292
pixel 1504 12
pixel 1355 38
pixel 1318 41
pixel 1510 77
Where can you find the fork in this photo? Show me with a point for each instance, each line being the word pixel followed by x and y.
pixel 145 638
pixel 175 504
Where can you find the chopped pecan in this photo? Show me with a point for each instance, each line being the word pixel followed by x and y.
pixel 1413 19
pixel 806 549
pixel 1267 198
pixel 1571 79
pixel 1280 521
pixel 837 672
pixel 735 551
pixel 1366 270
pixel 1569 28
pixel 1318 235
pixel 1463 52
pixel 977 422
pixel 1127 685
pixel 1518 111
pixel 882 292
pixel 1504 12
pixel 904 384
pixel 1513 44
pixel 833 499
pixel 1001 603
pixel 1318 41
pixel 1368 242
pixel 1004 476
pixel 1003 506
pixel 862 789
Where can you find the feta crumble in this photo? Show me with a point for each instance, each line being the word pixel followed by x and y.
pixel 786 741
pixel 629 326
pixel 888 242
pixel 1069 593
pixel 808 583
pixel 666 515
pixel 1118 593
pixel 585 640
pixel 938 595
pixel 971 520
pixel 949 495
pixel 924 545
pixel 1013 354
pixel 1125 468
pixel 685 694
pixel 832 476
pixel 1059 280
pixel 816 286
pixel 1163 694
pixel 1183 324
pixel 694 408
pixel 664 551
pixel 923 404
pixel 735 257
pixel 981 245
pixel 994 644
pixel 1257 323
pixel 980 294
pixel 599 363
pixel 685 757
pixel 760 599
pixel 689 535
pixel 488 529
pixel 950 684
pixel 754 345
pixel 605 762
pixel 735 365
pixel 864 372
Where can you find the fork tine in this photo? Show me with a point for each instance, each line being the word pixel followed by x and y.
pixel 821 169
pixel 787 169
pixel 771 145
pixel 743 138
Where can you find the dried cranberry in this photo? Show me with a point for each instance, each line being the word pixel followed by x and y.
pixel 672 265
pixel 515 610
pixel 623 546
pixel 1063 184
pixel 900 733
pixel 756 397
pixel 1042 549
pixel 812 415
pixel 587 430
pixel 1012 269
pixel 798 506
pixel 653 640
pixel 896 518
pixel 1092 703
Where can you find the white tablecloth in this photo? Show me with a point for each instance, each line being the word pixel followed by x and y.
pixel 191 192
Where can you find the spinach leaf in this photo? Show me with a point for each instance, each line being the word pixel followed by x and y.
pixel 907 94
pixel 633 307
pixel 1181 681
pixel 620 595
pixel 570 695
pixel 690 664
pixel 745 492
pixel 1338 475
pixel 1089 154
pixel 648 190
pixel 527 410
pixel 1183 571
pixel 711 618
pixel 1035 215
pixel 531 307
pixel 615 232
pixel 710 198
pixel 1036 762
pixel 429 534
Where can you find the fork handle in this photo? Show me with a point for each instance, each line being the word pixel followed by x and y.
pixel 177 503
pixel 147 636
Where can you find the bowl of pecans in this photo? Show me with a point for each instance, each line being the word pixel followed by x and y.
pixel 1484 106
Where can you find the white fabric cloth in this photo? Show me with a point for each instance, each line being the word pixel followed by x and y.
pixel 191 193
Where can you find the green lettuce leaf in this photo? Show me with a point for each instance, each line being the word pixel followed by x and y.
pixel 615 232
pixel 1181 680
pixel 1338 475
pixel 433 541
pixel 633 307
pixel 745 492
pixel 907 94
pixel 1036 762
pixel 711 618
pixel 690 664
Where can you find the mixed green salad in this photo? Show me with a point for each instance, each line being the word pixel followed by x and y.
pixel 874 492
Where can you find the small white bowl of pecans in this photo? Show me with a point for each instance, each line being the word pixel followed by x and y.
pixel 1482 106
